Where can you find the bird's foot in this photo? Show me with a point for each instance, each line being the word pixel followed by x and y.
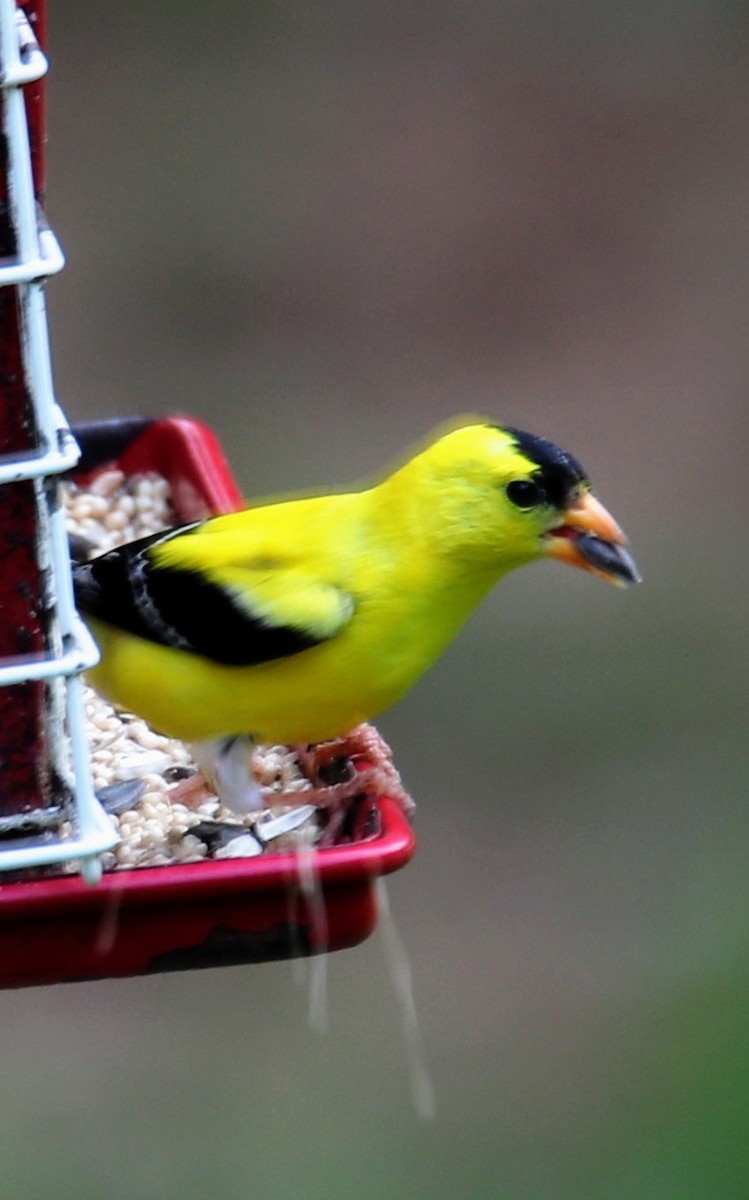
pixel 358 764
pixel 341 770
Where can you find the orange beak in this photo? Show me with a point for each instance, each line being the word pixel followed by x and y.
pixel 588 537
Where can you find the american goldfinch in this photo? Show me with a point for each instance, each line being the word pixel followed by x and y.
pixel 294 621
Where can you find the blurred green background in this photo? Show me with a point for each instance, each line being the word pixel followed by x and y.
pixel 323 229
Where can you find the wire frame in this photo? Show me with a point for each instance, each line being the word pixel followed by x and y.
pixel 31 836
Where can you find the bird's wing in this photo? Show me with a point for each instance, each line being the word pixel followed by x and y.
pixel 215 595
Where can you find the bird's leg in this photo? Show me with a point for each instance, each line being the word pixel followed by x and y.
pixel 227 765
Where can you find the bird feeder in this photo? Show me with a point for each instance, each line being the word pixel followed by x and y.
pixel 61 919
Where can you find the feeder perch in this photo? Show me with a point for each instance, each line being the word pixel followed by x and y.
pixel 57 927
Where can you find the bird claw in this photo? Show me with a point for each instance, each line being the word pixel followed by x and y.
pixel 357 765
pixel 191 791
pixel 372 766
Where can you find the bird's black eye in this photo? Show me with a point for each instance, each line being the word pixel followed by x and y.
pixel 525 493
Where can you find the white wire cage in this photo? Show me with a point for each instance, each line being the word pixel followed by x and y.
pixel 74 827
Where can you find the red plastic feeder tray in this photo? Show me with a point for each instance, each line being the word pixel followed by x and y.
pixel 191 915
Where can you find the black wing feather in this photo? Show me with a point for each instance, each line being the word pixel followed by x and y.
pixel 175 607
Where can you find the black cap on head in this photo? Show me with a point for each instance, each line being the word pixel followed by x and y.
pixel 558 472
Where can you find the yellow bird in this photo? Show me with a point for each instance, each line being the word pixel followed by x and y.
pixel 293 621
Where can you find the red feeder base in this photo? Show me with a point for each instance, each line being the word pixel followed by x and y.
pixel 208 914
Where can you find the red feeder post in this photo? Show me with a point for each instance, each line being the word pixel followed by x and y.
pixel 44 775
pixel 25 778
